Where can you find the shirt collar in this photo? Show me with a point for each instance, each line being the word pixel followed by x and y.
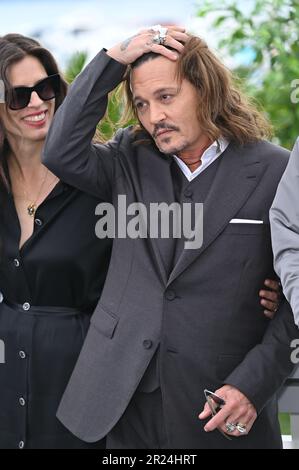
pixel 209 156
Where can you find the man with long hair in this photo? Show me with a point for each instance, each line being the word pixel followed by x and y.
pixel 174 320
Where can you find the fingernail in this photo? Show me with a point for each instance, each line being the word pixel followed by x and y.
pixel 206 430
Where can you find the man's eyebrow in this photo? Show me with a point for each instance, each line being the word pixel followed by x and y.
pixel 158 92
pixel 165 90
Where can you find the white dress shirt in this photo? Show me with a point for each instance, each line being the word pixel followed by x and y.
pixel 209 156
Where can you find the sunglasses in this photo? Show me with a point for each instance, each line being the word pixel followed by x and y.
pixel 47 89
pixel 215 404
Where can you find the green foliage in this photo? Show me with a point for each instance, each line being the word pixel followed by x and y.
pixel 108 126
pixel 269 31
pixel 75 66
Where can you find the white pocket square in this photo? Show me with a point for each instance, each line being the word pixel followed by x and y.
pixel 245 221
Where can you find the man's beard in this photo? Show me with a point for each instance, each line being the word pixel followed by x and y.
pixel 175 150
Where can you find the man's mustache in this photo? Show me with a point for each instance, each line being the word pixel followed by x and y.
pixel 164 125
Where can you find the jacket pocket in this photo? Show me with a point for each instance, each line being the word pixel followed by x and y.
pixel 104 321
pixel 246 229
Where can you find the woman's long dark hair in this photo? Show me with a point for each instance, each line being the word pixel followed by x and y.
pixel 13 48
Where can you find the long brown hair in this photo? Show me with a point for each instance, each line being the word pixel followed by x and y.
pixel 223 109
pixel 13 48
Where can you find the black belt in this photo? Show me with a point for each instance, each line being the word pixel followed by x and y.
pixel 42 310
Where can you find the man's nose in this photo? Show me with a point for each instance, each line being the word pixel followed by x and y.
pixel 157 114
pixel 35 100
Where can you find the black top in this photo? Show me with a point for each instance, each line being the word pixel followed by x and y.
pixel 63 263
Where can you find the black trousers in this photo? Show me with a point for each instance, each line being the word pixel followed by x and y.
pixel 142 425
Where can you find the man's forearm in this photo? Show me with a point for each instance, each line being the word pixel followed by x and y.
pixel 69 152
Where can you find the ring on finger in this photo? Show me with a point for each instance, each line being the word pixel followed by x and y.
pixel 230 427
pixel 162 40
pixel 163 32
pixel 156 39
pixel 156 28
pixel 241 428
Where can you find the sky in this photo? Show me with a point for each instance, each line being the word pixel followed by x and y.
pixel 66 26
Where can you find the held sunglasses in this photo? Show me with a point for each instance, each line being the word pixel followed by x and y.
pixel 215 404
pixel 47 89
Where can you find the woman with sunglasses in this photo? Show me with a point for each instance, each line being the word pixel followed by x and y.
pixel 52 266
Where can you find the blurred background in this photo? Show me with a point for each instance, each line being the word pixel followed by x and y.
pixel 258 39
pixel 66 26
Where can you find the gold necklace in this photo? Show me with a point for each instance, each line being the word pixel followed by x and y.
pixel 32 207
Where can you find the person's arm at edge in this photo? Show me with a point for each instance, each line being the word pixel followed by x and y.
pixel 284 218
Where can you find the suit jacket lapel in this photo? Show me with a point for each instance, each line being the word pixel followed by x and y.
pixel 238 175
pixel 156 186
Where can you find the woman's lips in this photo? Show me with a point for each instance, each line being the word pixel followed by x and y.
pixel 36 120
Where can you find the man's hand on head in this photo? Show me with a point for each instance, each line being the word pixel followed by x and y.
pixel 145 41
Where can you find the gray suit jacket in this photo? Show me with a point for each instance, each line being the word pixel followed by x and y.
pixel 284 217
pixel 205 316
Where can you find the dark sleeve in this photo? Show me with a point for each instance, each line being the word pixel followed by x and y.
pixel 267 365
pixel 69 151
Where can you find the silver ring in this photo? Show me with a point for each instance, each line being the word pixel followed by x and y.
pixel 241 428
pixel 230 427
pixel 163 32
pixel 157 39
pixel 157 28
pixel 162 40
pixel 160 36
